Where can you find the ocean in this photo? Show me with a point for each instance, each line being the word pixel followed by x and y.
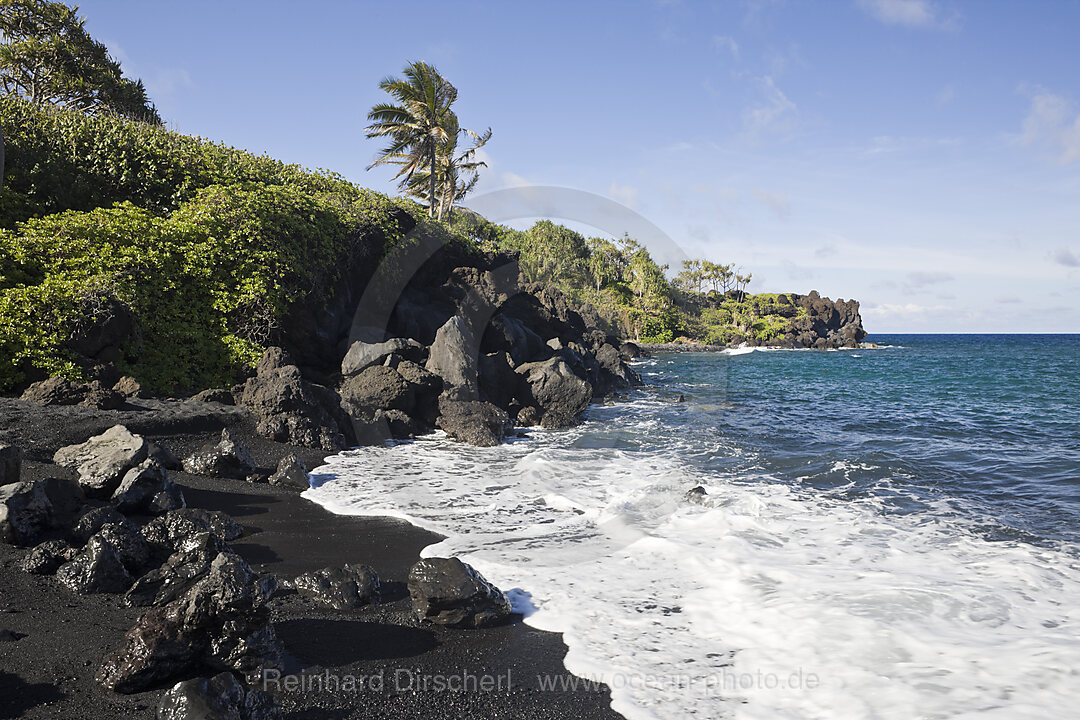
pixel 884 533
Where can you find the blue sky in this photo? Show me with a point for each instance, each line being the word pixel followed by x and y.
pixel 922 156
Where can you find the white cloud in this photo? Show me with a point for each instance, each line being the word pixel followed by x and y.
pixel 1053 121
pixel 623 194
pixel 777 202
pixel 923 279
pixel 726 42
pixel 1064 256
pixel 897 311
pixel 514 180
pixel 776 115
pixel 946 95
pixel 909 13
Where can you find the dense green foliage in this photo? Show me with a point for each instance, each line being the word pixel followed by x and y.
pixel 59 160
pixel 631 292
pixel 48 57
pixel 206 249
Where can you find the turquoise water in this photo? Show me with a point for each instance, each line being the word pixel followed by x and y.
pixel 899 523
pixel 990 423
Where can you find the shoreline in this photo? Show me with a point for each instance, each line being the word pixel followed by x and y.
pixel 426 670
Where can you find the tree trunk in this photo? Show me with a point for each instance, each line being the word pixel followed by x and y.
pixel 431 197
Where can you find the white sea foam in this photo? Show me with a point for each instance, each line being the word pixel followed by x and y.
pixel 765 601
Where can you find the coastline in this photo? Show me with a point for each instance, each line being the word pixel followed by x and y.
pixel 425 670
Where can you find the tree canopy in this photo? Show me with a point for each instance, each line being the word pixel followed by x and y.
pixel 47 56
pixel 423 132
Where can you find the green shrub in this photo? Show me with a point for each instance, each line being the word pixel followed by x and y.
pixel 207 284
pixel 65 160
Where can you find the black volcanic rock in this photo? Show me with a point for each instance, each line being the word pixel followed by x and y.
pixel 553 388
pixel 221 622
pixel 47 557
pixel 221 697
pixel 447 591
pixel 474 422
pixel 97 568
pixel 227 458
pixel 292 410
pixel 341 588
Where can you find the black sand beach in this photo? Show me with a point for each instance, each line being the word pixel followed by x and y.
pixel 375 662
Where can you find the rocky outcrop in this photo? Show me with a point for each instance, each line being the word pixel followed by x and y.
pixel 221 697
pixel 449 592
pixel 103 460
pixel 58 391
pixel 364 354
pixel 92 521
pixel 342 588
pixel 292 410
pixel 226 458
pixel 178 573
pixel 291 472
pixel 25 513
pixel 453 357
pixel 47 557
pixel 147 489
pixel 220 623
pixel 821 323
pixel 97 568
pixel 172 531
pixel 474 422
pixel 555 391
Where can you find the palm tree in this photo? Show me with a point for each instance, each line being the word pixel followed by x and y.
pixel 456 175
pixel 418 125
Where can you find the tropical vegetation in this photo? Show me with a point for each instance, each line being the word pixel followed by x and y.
pixel 47 56
pixel 423 133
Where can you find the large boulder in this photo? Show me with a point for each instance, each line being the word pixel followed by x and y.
pixel 222 622
pixel 362 354
pixel 291 472
pixel 67 501
pixel 453 357
pixel 377 388
pixel 508 334
pixel 131 545
pixel 426 385
pixel 98 568
pixel 58 391
pixel 447 591
pixel 93 520
pixel 10 464
pixel 341 588
pixel 474 422
pixel 103 460
pixel 177 530
pixel 291 409
pixel 221 697
pixel 553 388
pixel 55 391
pixel 178 573
pixel 227 458
pixel 47 557
pixel 218 522
pixel 614 372
pixel 148 489
pixel 25 513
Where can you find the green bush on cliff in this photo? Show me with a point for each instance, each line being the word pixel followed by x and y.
pixel 206 285
pixel 64 160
